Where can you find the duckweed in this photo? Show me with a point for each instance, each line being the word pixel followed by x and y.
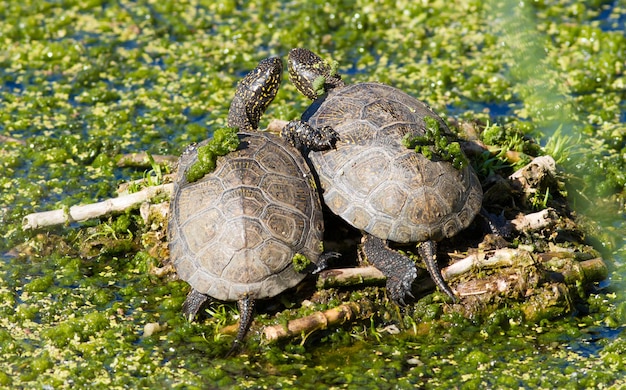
pixel 82 82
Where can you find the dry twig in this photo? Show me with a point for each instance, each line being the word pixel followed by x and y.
pixel 141 160
pixel 318 320
pixel 94 210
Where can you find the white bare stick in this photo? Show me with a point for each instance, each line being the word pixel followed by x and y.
pixel 94 210
pixel 315 321
pixel 535 221
pixel 505 257
pixel 534 176
pixel 349 276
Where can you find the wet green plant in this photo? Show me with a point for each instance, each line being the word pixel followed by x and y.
pixel 435 144
pixel 153 177
pixel 540 199
pixel 561 146
pixel 220 316
pixel 300 262
pixel 224 141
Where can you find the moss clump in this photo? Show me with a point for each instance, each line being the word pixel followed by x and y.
pixel 318 85
pixel 433 143
pixel 329 70
pixel 224 141
pixel 300 262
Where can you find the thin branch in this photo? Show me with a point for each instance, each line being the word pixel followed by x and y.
pixel 535 221
pixel 504 257
pixel 94 210
pixel 318 320
pixel 7 139
pixel 141 160
pixel 349 276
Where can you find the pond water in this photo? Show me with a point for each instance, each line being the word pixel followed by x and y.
pixel 84 81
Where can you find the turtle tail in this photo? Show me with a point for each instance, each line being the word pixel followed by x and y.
pixel 246 308
pixel 427 250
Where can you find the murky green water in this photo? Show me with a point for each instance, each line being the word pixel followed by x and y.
pixel 82 82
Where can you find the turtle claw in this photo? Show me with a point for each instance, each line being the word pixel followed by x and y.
pixel 322 262
pixel 399 289
pixel 427 250
pixel 246 308
pixel 497 224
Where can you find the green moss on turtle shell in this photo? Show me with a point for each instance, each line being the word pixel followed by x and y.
pixel 300 262
pixel 224 141
pixel 433 143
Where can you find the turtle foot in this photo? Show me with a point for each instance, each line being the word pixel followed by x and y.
pixel 497 224
pixel 399 270
pixel 305 137
pixel 427 251
pixel 322 262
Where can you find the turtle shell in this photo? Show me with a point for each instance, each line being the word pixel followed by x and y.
pixel 234 232
pixel 380 186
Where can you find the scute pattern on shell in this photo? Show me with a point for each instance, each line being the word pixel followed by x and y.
pixel 377 184
pixel 234 232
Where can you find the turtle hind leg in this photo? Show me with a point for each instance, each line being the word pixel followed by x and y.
pixel 427 251
pixel 399 269
pixel 194 302
pixel 496 224
pixel 246 309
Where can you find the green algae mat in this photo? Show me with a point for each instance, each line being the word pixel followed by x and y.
pixel 84 84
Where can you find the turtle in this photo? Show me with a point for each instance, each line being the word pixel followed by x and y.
pixel 372 180
pixel 234 232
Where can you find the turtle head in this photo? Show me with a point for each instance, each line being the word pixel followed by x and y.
pixel 254 94
pixel 311 74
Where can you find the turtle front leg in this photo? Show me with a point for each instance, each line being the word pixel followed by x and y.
pixel 399 269
pixel 306 137
pixel 427 251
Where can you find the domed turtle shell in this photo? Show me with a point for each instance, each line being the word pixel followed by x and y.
pixel 380 186
pixel 233 233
